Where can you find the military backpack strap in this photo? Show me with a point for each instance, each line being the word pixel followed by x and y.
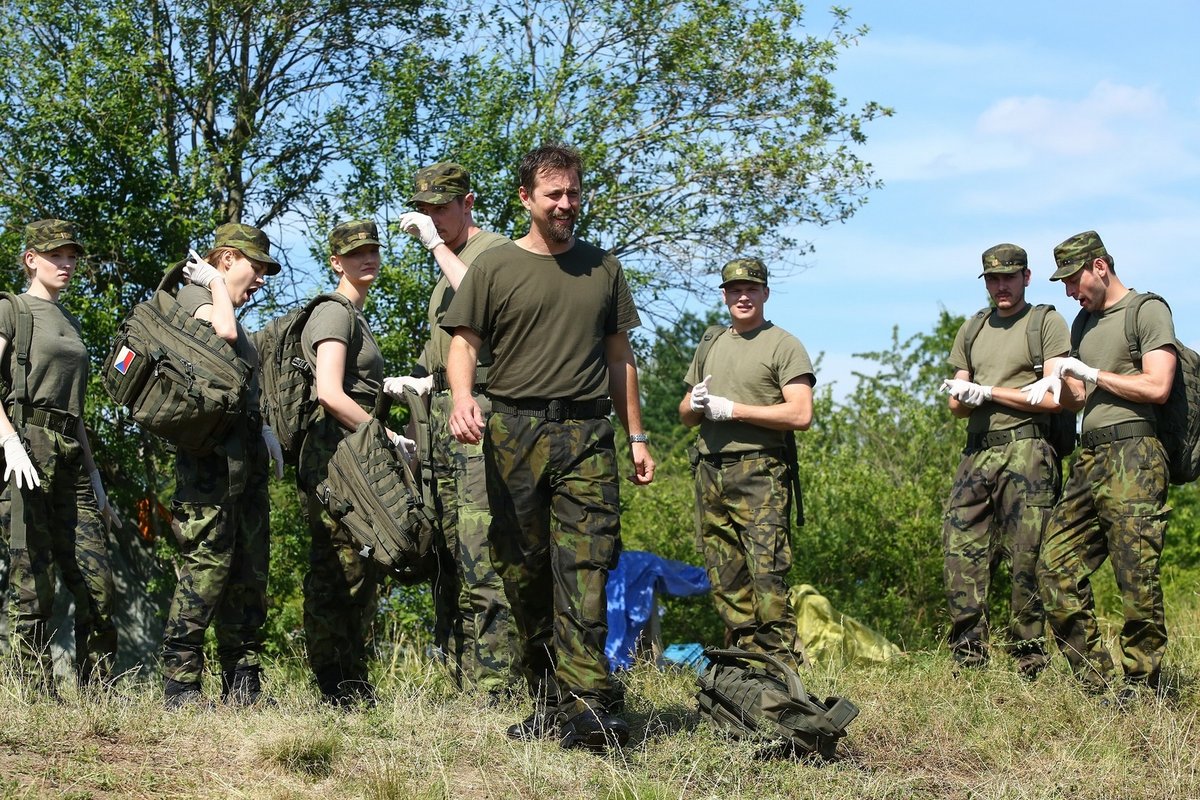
pixel 971 329
pixel 22 344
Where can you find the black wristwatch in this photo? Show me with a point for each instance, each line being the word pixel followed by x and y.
pixel 638 437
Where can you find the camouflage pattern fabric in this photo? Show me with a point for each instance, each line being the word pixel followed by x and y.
pixel 341 588
pixel 1113 506
pixel 997 511
pixel 224 544
pixel 474 624
pixel 555 535
pixel 64 529
pixel 742 524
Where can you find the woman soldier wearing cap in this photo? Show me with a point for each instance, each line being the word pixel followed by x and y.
pixel 222 526
pixel 53 501
pixel 340 588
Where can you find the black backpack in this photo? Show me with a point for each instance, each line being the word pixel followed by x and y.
pixel 1178 420
pixel 1063 433
pixel 770 705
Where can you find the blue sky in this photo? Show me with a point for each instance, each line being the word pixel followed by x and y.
pixel 1020 122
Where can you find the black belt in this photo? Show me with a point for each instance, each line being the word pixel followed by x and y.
pixel 985 441
pixel 1113 433
pixel 725 459
pixel 58 421
pixel 441 384
pixel 554 410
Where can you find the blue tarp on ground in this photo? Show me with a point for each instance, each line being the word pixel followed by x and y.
pixel 631 588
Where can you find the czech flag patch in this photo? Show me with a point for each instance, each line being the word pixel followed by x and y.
pixel 124 359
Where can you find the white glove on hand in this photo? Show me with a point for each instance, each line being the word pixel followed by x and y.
pixel 421 226
pixel 395 386
pixel 967 393
pixel 16 462
pixel 699 398
pixel 718 408
pixel 274 451
pixel 107 512
pixel 199 271
pixel 406 446
pixel 1037 391
pixel 1076 369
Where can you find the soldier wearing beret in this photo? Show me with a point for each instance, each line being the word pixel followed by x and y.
pixel 751 386
pixel 1114 504
pixel 53 506
pixel 1009 476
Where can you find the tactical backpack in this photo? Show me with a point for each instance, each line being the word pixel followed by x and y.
pixel 175 375
pixel 770 705
pixel 1177 421
pixel 371 493
pixel 1063 433
pixel 289 400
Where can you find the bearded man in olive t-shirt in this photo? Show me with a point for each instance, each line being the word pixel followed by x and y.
pixel 556 312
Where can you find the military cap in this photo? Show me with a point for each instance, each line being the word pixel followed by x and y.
pixel 352 235
pixel 1004 259
pixel 744 269
pixel 1076 253
pixel 250 241
pixel 440 183
pixel 50 234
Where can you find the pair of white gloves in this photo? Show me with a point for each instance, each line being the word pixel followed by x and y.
pixel 712 406
pixel 18 464
pixel 975 395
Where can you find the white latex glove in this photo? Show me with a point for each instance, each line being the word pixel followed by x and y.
pixel 395 386
pixel 1076 369
pixel 1037 391
pixel 699 398
pixel 406 446
pixel 971 394
pixel 421 226
pixel 274 451
pixel 107 512
pixel 718 408
pixel 199 271
pixel 16 462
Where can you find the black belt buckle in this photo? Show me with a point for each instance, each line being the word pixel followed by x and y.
pixel 556 411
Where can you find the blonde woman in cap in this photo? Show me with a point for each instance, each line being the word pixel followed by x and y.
pixel 341 586
pixel 53 500
pixel 222 526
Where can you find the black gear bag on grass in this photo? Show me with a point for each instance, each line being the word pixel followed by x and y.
pixel 176 376
pixel 756 696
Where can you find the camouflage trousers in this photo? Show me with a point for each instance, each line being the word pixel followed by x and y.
pixel 473 622
pixel 224 548
pixel 62 528
pixel 556 533
pixel 743 510
pixel 341 588
pixel 1113 506
pixel 998 509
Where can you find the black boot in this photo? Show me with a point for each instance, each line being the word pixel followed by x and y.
pixel 242 687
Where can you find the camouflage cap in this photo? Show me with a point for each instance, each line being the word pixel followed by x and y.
pixel 744 269
pixel 249 241
pixel 1004 259
pixel 50 234
pixel 352 235
pixel 1076 253
pixel 440 183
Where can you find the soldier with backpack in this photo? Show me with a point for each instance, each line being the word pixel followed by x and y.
pixel 1114 504
pixel 53 507
pixel 1009 477
pixel 751 388
pixel 220 507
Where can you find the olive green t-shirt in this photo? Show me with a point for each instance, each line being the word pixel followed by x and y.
pixel 546 319
pixel 750 368
pixel 364 363
pixel 58 361
pixel 191 297
pixel 1103 346
pixel 438 345
pixel 1000 357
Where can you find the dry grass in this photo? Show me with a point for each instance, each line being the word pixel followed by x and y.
pixel 923 733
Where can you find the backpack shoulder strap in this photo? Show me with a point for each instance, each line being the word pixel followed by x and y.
pixel 711 334
pixel 1033 336
pixel 971 329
